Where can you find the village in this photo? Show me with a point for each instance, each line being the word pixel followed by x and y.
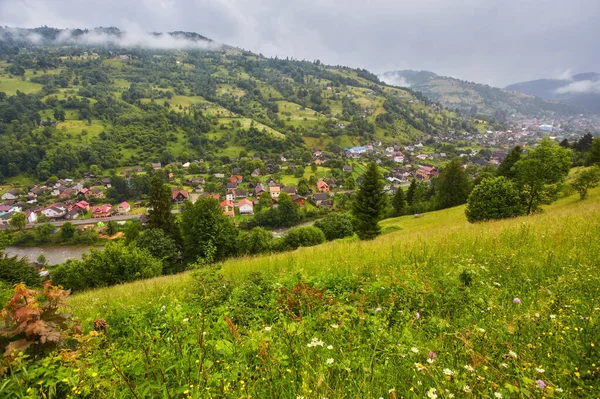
pixel 320 180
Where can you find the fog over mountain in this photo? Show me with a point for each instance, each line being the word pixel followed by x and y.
pixel 496 43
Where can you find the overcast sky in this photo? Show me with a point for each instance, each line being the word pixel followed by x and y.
pixel 489 41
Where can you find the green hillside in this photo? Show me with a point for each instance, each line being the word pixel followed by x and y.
pixel 478 99
pixel 65 107
pixel 435 308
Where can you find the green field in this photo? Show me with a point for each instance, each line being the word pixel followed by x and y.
pixel 427 309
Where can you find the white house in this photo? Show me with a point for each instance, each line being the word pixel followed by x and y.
pixel 31 216
pixel 246 207
pixel 274 191
pixel 54 212
pixel 11 195
pixel 230 196
pixel 422 157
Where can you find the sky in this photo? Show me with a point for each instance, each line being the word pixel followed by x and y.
pixel 497 42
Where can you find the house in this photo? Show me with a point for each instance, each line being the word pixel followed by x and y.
pixel 95 192
pixel 123 208
pixel 72 214
pixel 11 195
pixel 289 190
pixel 83 206
pixel 233 179
pixel 156 165
pixel 317 154
pixel 271 182
pixel 274 191
pixel 240 194
pixel 259 189
pixel 220 175
pixel 347 168
pixel 82 192
pixel 422 157
pixel 67 193
pixel 322 186
pixel 102 211
pixel 230 196
pixel 318 161
pixel 300 201
pixel 56 211
pixel 31 216
pixel 4 209
pixel 246 207
pixel 255 173
pixel 228 208
pixel 399 158
pixel 232 186
pixel 179 195
pixel 426 172
pixel 321 199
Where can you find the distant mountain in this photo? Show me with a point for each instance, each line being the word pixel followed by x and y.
pixel 478 99
pixel 582 90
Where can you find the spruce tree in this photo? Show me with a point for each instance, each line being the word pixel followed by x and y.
pixel 159 215
pixel 506 166
pixel 399 202
pixel 452 186
pixel 410 193
pixel 369 204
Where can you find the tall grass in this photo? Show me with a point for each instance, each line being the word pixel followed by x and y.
pixel 439 308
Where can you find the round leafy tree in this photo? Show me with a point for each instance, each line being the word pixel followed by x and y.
pixel 494 198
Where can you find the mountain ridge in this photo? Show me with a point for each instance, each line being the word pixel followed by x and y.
pixel 581 90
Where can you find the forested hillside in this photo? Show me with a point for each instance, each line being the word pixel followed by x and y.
pixel 67 106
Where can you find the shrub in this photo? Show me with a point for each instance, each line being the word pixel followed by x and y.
pixel 335 226
pixel 15 271
pixel 162 247
pixel 494 198
pixel 31 320
pixel 115 265
pixel 303 237
pixel 256 241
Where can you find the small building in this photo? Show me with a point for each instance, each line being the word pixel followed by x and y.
pixel 300 201
pixel 228 208
pixel 11 194
pixel 123 208
pixel 156 165
pixel 102 211
pixel 347 168
pixel 322 186
pixel 179 196
pixel 274 191
pixel 246 207
pixel 321 199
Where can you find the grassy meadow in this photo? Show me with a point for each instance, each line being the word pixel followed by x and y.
pixel 436 308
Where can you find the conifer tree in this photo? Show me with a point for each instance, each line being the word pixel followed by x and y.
pixel 369 205
pixel 410 193
pixel 452 186
pixel 399 202
pixel 159 215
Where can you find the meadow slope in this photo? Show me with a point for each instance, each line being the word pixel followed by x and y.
pixel 435 308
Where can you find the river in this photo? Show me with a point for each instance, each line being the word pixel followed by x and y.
pixel 54 255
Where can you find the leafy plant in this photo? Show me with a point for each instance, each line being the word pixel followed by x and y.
pixel 32 321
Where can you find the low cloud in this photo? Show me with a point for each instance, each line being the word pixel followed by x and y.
pixel 394 79
pixel 582 86
pixel 121 39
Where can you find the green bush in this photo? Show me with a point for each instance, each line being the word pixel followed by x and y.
pixel 335 226
pixel 115 265
pixel 14 271
pixel 494 198
pixel 303 237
